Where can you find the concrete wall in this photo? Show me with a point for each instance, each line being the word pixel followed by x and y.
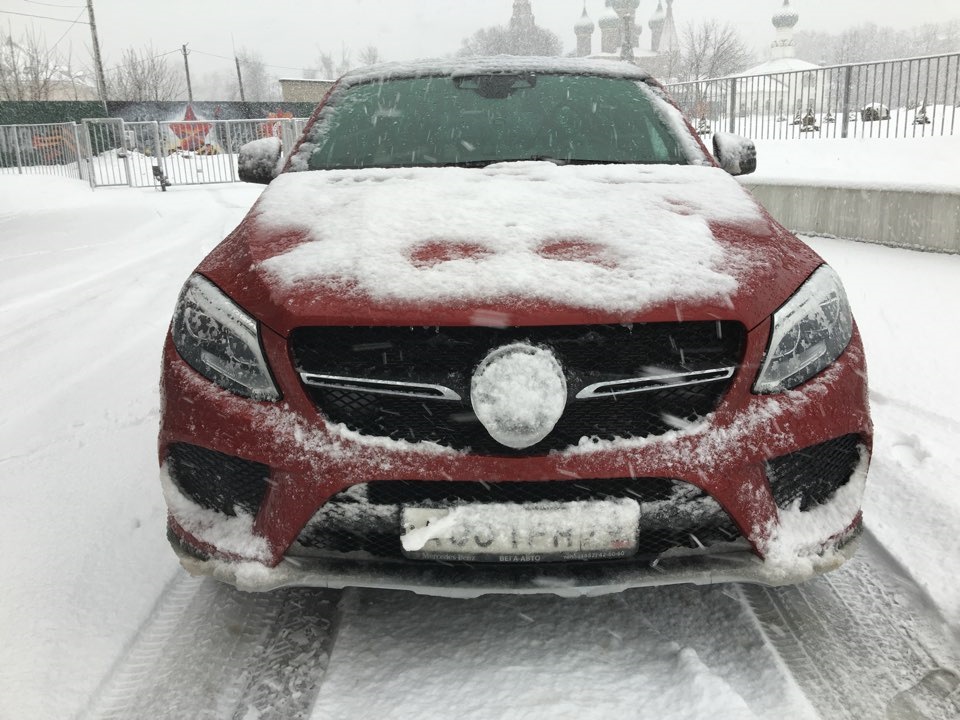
pixel 899 218
pixel 312 91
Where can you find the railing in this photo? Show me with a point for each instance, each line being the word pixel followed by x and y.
pixel 915 97
pixel 48 149
pixel 109 152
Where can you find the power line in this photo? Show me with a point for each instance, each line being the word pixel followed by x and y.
pixel 43 17
pixel 139 60
pixel 230 59
pixel 67 30
pixel 37 2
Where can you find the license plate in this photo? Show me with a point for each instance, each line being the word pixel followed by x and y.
pixel 522 533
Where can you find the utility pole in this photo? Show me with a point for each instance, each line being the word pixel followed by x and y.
pixel 186 66
pixel 97 60
pixel 239 79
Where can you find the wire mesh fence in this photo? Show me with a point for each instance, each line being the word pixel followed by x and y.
pixel 916 97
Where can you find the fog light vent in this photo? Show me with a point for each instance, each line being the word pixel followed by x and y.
pixel 815 473
pixel 217 481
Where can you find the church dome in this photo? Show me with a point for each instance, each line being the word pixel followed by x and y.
pixel 658 18
pixel 786 18
pixel 584 25
pixel 610 20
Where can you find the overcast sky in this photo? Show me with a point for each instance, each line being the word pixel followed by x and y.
pixel 290 33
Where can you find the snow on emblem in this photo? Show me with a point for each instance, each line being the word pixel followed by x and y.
pixel 519 393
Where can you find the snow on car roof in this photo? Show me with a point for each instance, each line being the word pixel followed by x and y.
pixel 495 64
pixel 616 237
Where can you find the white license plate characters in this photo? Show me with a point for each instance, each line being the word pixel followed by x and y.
pixel 522 533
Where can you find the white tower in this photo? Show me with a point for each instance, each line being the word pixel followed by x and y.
pixel 784 21
pixel 657 21
pixel 584 30
pixel 610 31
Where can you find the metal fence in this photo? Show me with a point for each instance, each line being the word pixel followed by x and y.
pixel 48 149
pixel 109 152
pixel 916 97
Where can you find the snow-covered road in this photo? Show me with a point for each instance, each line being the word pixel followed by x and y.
pixel 97 619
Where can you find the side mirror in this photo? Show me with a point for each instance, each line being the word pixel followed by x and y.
pixel 258 160
pixel 735 154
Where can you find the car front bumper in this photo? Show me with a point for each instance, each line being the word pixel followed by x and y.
pixel 726 455
pixel 461 581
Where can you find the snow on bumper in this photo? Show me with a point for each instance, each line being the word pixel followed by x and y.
pixel 465 582
pixel 310 461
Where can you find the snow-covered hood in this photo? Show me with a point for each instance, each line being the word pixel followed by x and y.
pixel 514 243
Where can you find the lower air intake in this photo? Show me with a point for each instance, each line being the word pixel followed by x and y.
pixel 364 521
pixel 814 474
pixel 217 481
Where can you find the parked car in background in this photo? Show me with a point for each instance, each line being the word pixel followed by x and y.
pixel 506 325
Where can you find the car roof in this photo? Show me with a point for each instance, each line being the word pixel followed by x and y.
pixel 460 67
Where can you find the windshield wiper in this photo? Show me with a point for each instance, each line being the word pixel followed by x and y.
pixel 534 158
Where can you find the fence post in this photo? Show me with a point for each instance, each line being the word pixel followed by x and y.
pixel 78 148
pixel 233 160
pixel 125 152
pixel 288 137
pixel 88 151
pixel 733 105
pixel 16 148
pixel 157 149
pixel 847 82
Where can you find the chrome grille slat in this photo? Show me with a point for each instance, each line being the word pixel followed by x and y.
pixel 653 382
pixel 423 391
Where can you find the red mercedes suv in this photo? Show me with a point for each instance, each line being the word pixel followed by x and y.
pixel 506 325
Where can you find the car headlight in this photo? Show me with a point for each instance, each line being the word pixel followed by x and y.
pixel 810 331
pixel 220 341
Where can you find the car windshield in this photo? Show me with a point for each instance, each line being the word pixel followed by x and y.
pixel 483 119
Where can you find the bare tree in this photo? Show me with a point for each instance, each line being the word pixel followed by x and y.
pixel 258 83
pixel 28 69
pixel 711 50
pixel 331 68
pixel 869 42
pixel 499 40
pixel 145 75
pixel 370 55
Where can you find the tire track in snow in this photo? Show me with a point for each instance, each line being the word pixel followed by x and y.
pixel 668 651
pixel 208 651
pixel 864 641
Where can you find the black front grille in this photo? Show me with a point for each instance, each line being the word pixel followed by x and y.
pixel 448 356
pixel 815 473
pixel 363 522
pixel 217 481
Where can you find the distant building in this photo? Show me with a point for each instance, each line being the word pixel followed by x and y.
pixel 522 21
pixel 71 89
pixel 658 56
pixel 300 90
pixel 783 50
pixel 795 86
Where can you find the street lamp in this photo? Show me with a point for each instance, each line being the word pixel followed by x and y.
pixel 627 10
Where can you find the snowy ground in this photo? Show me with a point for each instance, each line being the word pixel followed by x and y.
pixel 97 619
pixel 928 163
